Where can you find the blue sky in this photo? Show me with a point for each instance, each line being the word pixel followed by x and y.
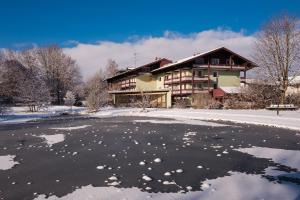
pixel 42 22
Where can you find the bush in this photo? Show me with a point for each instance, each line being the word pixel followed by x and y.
pixel 181 103
pixel 235 103
pixel 205 101
pixel 293 99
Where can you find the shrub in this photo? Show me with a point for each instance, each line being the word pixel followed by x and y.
pixel 181 103
pixel 205 101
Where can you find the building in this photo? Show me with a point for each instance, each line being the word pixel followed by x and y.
pixel 217 72
pixel 294 87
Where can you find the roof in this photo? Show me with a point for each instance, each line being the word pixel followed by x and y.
pixel 187 59
pixel 140 67
pixel 138 91
pixel 231 90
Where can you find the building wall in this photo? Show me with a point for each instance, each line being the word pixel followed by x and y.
pixel 293 90
pixel 160 81
pixel 145 82
pixel 227 78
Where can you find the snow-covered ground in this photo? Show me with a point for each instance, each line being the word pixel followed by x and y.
pixel 21 114
pixel 286 119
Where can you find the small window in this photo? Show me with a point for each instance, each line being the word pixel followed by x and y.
pixel 200 73
pixel 227 61
pixel 215 61
pixel 159 78
pixel 215 74
pixel 199 61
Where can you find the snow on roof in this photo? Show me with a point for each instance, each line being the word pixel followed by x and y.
pixel 195 56
pixel 231 90
pixel 186 59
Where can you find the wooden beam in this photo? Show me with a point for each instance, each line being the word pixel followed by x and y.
pixel 208 74
pixel 180 82
pixel 193 80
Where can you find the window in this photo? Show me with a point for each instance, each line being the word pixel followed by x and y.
pixel 228 62
pixel 159 78
pixel 199 61
pixel 215 74
pixel 198 86
pixel 215 61
pixel 215 85
pixel 199 73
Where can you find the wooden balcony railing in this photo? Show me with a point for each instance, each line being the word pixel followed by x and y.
pixel 190 91
pixel 233 67
pixel 187 79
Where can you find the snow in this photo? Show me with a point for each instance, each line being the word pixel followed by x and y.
pixel 289 158
pixel 53 139
pixel 142 163
pixel 231 90
pixel 100 167
pixel 7 162
pixel 167 174
pixel 71 128
pixel 286 119
pixel 235 186
pixel 157 160
pixel 181 121
pixel 146 178
pixel 21 114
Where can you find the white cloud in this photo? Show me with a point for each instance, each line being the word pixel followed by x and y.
pixel 92 57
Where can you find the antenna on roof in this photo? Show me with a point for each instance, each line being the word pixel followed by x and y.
pixel 135 58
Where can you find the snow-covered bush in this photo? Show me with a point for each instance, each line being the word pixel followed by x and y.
pixel 181 103
pixel 144 101
pixel 3 109
pixel 235 103
pixel 69 99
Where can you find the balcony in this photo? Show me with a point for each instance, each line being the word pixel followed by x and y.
pixel 128 85
pixel 186 79
pixel 224 67
pixel 190 91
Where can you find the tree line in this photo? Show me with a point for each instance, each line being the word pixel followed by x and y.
pixel 41 76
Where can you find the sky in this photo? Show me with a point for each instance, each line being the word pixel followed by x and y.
pixel 94 31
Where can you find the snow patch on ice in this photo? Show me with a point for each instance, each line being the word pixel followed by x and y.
pixel 52 139
pixel 289 158
pixel 234 187
pixel 71 127
pixel 181 121
pixel 7 162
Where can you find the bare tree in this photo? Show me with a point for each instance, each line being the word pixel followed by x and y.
pixel 111 68
pixel 70 99
pixel 97 95
pixel 277 51
pixel 12 73
pixel 61 71
pixel 144 101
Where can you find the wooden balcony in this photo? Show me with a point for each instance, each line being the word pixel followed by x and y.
pixel 220 67
pixel 190 91
pixel 128 85
pixel 186 79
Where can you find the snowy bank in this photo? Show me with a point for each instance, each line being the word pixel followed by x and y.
pixel 21 114
pixel 286 119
